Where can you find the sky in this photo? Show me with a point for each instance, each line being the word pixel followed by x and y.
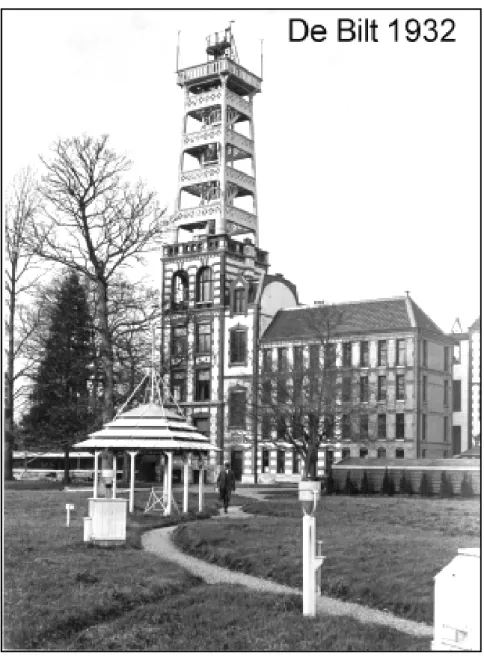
pixel 367 152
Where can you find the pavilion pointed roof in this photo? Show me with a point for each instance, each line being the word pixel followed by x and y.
pixel 151 427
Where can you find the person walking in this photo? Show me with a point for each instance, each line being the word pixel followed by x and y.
pixel 226 484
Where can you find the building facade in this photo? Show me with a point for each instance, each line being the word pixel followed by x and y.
pixel 229 326
pixel 391 369
pixel 475 380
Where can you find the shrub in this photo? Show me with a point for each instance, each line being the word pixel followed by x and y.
pixel 348 484
pixel 388 486
pixel 330 484
pixel 408 485
pixel 365 485
pixel 466 486
pixel 403 483
pixel 446 489
pixel 425 486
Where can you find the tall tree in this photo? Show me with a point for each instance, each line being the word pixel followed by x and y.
pixel 97 224
pixel 299 406
pixel 21 209
pixel 60 411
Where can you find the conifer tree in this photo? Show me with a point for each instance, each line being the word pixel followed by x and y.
pixel 60 414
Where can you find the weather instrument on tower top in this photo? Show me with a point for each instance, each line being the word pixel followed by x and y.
pixel 222 44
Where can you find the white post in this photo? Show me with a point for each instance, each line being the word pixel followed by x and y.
pixel 164 462
pixel 114 477
pixel 200 488
pixel 131 483
pixel 185 484
pixel 96 474
pixel 309 580
pixel 169 477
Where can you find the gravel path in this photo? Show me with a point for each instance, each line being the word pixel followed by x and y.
pixel 160 543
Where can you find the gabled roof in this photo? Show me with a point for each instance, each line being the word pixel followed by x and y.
pixel 476 325
pixel 395 314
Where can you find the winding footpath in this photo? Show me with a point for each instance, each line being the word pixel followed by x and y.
pixel 159 542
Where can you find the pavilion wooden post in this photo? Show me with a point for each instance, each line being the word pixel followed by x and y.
pixel 131 482
pixel 186 459
pixel 169 478
pixel 165 478
pixel 200 484
pixel 96 473
pixel 114 474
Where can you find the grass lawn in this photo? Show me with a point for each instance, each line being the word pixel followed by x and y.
pixel 382 552
pixel 60 594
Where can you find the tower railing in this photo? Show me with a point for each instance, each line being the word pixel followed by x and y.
pixel 212 69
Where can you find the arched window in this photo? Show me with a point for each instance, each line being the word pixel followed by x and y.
pixel 381 453
pixel 204 285
pixel 179 289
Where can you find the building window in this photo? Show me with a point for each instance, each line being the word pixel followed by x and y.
pixel 363 453
pixel 281 461
pixel 381 453
pixel 456 395
pixel 202 385
pixel 346 426
pixel 282 393
pixel 382 388
pixel 399 453
pixel 345 453
pixel 282 359
pixel 363 389
pixel 265 460
pixel 179 289
pixel 239 300
pixel 425 354
pixel 267 360
pixel 203 342
pixel 424 388
pixel 424 427
pixel 281 428
pixel 202 423
pixel 346 386
pixel 456 440
pixel 237 408
pixel 314 357
pixel 446 429
pixel 179 386
pixel 457 356
pixel 400 426
pixel 446 454
pixel 266 428
pixel 238 346
pixel 446 393
pixel 382 426
pixel 295 462
pixel 347 355
pixel 364 426
pixel 424 452
pixel 297 389
pixel 204 284
pixel 267 392
pixel 400 386
pixel 179 341
pixel 329 426
pixel 446 359
pixel 298 359
pixel 400 352
pixel 330 355
pixel 382 352
pixel 364 354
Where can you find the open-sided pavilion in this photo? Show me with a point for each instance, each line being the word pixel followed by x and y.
pixel 150 429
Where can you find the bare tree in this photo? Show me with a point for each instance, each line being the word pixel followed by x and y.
pixel 97 225
pixel 299 406
pixel 21 210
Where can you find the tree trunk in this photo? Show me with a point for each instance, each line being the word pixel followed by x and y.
pixel 67 477
pixel 106 352
pixel 9 435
